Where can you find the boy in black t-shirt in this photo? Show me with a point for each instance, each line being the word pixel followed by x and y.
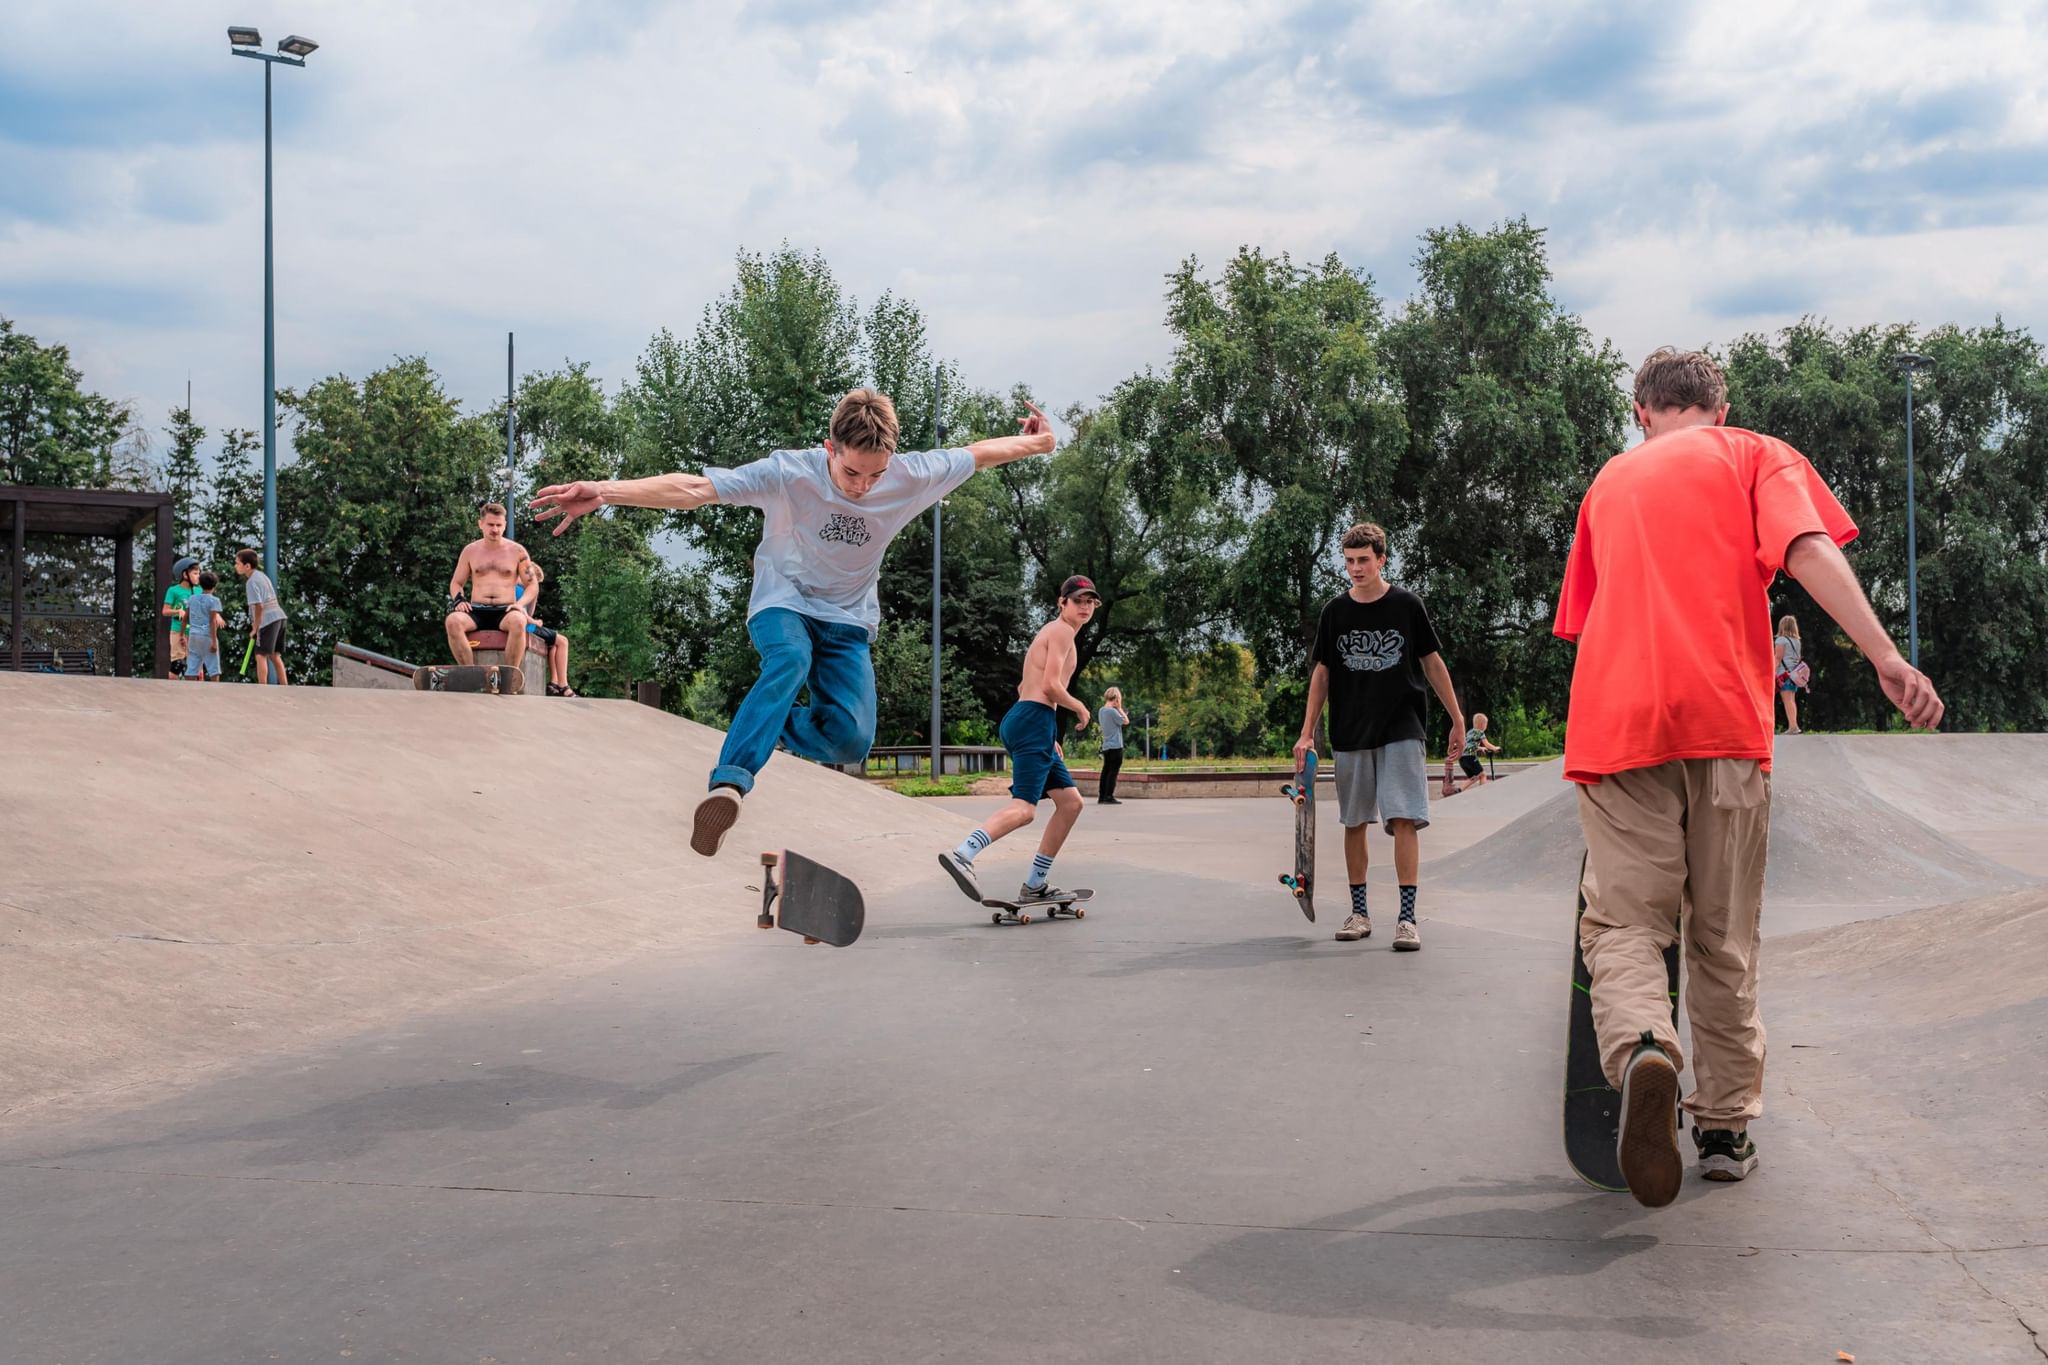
pixel 1374 647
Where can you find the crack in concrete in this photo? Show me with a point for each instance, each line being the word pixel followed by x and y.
pixel 855 1207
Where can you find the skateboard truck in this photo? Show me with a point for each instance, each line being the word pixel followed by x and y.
pixel 769 892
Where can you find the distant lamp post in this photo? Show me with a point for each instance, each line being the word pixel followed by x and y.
pixel 293 51
pixel 1912 364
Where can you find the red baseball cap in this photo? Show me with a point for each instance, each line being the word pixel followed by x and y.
pixel 1079 586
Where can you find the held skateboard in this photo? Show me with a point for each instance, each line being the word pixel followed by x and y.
pixel 1302 793
pixel 1450 777
pixel 1592 1107
pixel 500 680
pixel 1016 912
pixel 817 904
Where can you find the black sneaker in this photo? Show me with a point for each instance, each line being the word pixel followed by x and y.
pixel 1648 1143
pixel 1724 1153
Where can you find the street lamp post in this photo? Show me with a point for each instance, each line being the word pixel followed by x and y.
pixel 293 51
pixel 1912 364
pixel 938 443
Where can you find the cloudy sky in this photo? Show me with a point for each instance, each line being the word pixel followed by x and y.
pixel 582 171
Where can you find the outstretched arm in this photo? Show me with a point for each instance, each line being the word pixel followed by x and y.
pixel 1823 570
pixel 1035 438
pixel 572 500
pixel 1440 679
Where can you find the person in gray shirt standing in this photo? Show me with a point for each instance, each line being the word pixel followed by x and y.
pixel 1112 718
pixel 266 616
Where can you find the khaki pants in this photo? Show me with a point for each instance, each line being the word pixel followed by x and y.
pixel 1678 851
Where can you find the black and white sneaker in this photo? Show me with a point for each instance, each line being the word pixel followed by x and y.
pixel 1724 1153
pixel 962 872
pixel 1027 894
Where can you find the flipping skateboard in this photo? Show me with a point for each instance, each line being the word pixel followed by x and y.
pixel 1303 794
pixel 500 680
pixel 816 903
pixel 1017 912
pixel 1592 1107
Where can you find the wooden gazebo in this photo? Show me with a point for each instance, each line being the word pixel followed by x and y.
pixel 98 513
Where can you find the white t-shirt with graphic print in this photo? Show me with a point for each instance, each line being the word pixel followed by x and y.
pixel 821 551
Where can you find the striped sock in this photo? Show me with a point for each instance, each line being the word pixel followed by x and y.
pixel 1041 869
pixel 971 845
pixel 1358 898
pixel 1408 904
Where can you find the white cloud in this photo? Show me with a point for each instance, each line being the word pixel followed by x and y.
pixel 582 174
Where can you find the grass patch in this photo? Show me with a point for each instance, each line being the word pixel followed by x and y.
pixel 950 784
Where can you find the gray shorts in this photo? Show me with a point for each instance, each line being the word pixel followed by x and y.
pixel 1386 783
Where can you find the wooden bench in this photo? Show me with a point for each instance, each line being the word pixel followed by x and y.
pixel 77 662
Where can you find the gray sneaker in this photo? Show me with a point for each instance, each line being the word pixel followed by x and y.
pixel 1027 894
pixel 1724 1153
pixel 716 815
pixel 962 872
pixel 1406 939
pixel 1357 926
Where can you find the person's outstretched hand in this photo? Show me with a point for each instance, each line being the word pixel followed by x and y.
pixel 1039 425
pixel 567 501
pixel 1911 691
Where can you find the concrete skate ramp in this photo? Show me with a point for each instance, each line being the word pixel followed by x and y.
pixel 200 873
pixel 1924 1032
pixel 1834 840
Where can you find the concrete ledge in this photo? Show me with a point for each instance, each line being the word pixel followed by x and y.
pixel 355 666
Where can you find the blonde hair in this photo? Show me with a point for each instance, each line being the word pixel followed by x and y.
pixel 540 575
pixel 1114 695
pixel 1789 625
pixel 865 420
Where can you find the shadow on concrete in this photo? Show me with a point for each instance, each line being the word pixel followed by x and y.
pixel 488 1102
pixel 1247 952
pixel 1432 1271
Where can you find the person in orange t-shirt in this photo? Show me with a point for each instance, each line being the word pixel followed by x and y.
pixel 1666 595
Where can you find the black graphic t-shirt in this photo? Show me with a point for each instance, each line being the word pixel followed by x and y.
pixel 1374 651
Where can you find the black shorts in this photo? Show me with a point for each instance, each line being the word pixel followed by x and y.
pixel 544 634
pixel 489 615
pixel 1470 763
pixel 270 639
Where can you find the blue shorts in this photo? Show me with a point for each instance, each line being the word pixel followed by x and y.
pixel 1030 731
pixel 202 657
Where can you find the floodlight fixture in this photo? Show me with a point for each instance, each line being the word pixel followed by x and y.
pixel 295 46
pixel 1913 363
pixel 244 37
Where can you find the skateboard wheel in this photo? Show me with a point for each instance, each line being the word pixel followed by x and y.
pixel 810 940
pixel 1080 914
pixel 996 918
pixel 1023 919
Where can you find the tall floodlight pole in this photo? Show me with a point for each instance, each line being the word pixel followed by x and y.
pixel 1912 364
pixel 293 51
pixel 938 443
pixel 511 467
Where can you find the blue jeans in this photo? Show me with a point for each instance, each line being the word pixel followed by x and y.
pixel 839 724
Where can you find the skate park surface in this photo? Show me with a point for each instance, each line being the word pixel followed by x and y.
pixel 405 1027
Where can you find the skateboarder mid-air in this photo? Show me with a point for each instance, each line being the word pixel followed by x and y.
pixel 1666 593
pixel 1031 733
pixel 1374 648
pixel 831 513
pixel 489 568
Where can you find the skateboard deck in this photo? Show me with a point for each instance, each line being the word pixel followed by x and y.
pixel 1450 777
pixel 1592 1107
pixel 815 903
pixel 1303 794
pixel 500 680
pixel 1016 912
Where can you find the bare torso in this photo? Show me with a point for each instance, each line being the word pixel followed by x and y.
pixel 1048 664
pixel 493 569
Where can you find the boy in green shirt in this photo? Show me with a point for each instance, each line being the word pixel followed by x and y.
pixel 184 580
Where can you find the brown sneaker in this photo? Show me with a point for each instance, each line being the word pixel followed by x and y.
pixel 1648 1143
pixel 716 815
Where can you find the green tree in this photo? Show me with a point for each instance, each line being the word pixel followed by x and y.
pixel 1283 407
pixel 375 510
pixel 184 476
pixel 53 432
pixel 903 686
pixel 1217 709
pixel 1510 408
pixel 611 598
pixel 1981 435
pixel 231 512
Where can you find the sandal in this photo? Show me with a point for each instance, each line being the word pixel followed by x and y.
pixel 555 690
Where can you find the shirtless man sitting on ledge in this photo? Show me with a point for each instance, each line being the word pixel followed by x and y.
pixel 490 569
